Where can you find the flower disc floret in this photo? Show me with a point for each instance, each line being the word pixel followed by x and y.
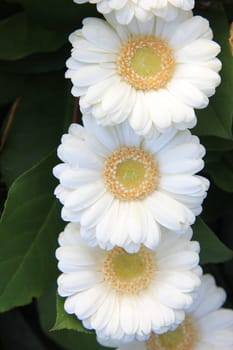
pixel 182 338
pixel 154 74
pixel 146 62
pixel 206 326
pixel 129 273
pixel 111 177
pixel 131 173
pixel 125 10
pixel 127 296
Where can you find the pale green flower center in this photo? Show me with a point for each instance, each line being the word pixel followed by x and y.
pixel 183 338
pixel 146 62
pixel 173 339
pixel 131 173
pixel 128 273
pixel 128 266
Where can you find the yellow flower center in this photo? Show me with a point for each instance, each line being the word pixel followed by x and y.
pixel 130 173
pixel 128 273
pixel 183 338
pixel 146 62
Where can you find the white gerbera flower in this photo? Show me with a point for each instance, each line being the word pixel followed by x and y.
pixel 127 296
pixel 111 177
pixel 143 10
pixel 153 74
pixel 207 326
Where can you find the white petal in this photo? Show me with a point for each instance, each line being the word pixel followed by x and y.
pixel 172 297
pixel 197 51
pixel 78 281
pixel 215 299
pixel 91 74
pixel 85 304
pixel 182 184
pixel 85 195
pixel 94 214
pixel 73 178
pixel 184 281
pixel 217 320
pixel 182 261
pixel 219 338
pixel 188 93
pixel 128 321
pixel 189 31
pixel 167 211
pixel 125 15
pixel 101 34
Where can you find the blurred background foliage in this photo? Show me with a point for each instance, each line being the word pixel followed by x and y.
pixel 36 107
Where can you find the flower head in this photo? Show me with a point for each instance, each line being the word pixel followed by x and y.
pixel 113 178
pixel 207 326
pixel 127 296
pixel 153 74
pixel 126 10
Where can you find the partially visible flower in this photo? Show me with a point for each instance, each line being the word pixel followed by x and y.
pixel 153 74
pixel 127 296
pixel 113 178
pixel 231 38
pixel 143 10
pixel 207 326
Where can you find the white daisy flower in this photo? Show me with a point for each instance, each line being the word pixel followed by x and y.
pixel 153 74
pixel 127 296
pixel 207 326
pixel 112 177
pixel 143 10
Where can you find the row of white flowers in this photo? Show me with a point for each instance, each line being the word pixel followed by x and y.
pixel 128 182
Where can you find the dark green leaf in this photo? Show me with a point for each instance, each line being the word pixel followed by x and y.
pixel 216 204
pixel 221 172
pixel 11 87
pixel 68 339
pixel 229 9
pixel 57 13
pixel 216 119
pixel 20 37
pixel 44 112
pixel 7 10
pixel 66 321
pixel 29 228
pixel 212 249
pixel 37 63
pixel 213 143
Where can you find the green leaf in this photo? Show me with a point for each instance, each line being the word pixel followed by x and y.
pixel 7 10
pixel 37 63
pixel 221 171
pixel 44 112
pixel 216 205
pixel 212 249
pixel 20 37
pixel 29 228
pixel 57 13
pixel 12 85
pixel 66 321
pixel 213 143
pixel 216 119
pixel 68 339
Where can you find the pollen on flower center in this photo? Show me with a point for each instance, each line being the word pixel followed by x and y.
pixel 128 273
pixel 146 62
pixel 130 173
pixel 183 338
